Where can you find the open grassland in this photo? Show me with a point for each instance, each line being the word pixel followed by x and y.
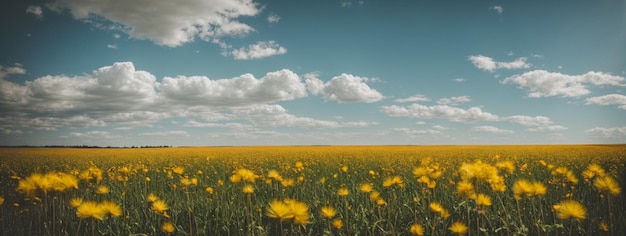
pixel 346 190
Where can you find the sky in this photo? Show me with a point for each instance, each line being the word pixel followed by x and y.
pixel 312 72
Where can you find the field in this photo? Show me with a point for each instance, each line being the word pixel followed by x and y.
pixel 346 190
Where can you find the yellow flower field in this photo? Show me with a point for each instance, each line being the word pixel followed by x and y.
pixel 321 190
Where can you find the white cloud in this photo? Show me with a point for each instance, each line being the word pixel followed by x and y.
pixel 548 128
pixel 416 98
pixel 414 132
pixel 610 99
pixel 498 9
pixel 541 83
pixel 239 91
pixel 488 64
pixel 273 18
pixel 608 133
pixel 491 129
pixel 258 50
pixel 179 133
pixel 455 114
pixel 116 36
pixel 112 46
pixel 277 116
pixel 459 80
pixel 35 10
pixel 453 101
pixel 94 135
pixel 345 88
pixel 16 69
pixel 166 23
pixel 439 127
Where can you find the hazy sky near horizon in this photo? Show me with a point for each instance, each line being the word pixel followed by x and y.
pixel 309 72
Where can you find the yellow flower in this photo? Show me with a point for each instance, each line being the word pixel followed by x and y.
pixel 344 169
pixel 328 212
pixel 90 210
pixel 159 206
pixel 396 180
pixel 111 208
pixel 248 189
pixel 1 200
pixel 607 184
pixel 465 188
pixel 152 197
pixel 102 190
pixel 506 166
pixel 417 230
pixel 570 209
pixel 338 223
pixel 438 208
pixel 76 202
pixel 209 190
pixel 521 187
pixel 299 210
pixel 273 174
pixel 366 187
pixel 603 226
pixel 278 209
pixel 483 200
pixel 539 189
pixel 342 192
pixel 178 170
pixel 458 228
pixel 168 227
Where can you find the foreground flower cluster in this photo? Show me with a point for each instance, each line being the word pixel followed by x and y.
pixel 498 190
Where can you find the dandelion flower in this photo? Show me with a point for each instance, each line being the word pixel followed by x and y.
pixel 338 224
pixel 299 210
pixel 111 208
pixel 90 210
pixel 278 209
pixel 603 226
pixel 465 188
pixel 539 189
pixel 458 228
pixel 417 230
pixel 102 190
pixel 1 200
pixel 522 187
pixel 607 184
pixel 342 192
pixel 328 212
pixel 570 209
pixel 168 227
pixel 248 189
pixel 159 206
pixel 483 200
pixel 152 197
pixel 209 190
pixel 366 187
pixel 76 202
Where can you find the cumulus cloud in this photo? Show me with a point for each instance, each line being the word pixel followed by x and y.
pixel 455 114
pixel 541 83
pixel 454 101
pixel 16 69
pixel 608 133
pixel 273 18
pixel 417 132
pixel 491 129
pixel 94 135
pixel 548 128
pixel 179 133
pixel 35 10
pixel 166 23
pixel 345 88
pixel 498 9
pixel 416 98
pixel 258 50
pixel 122 97
pixel 239 91
pixel 488 64
pixel 610 99
pixel 277 116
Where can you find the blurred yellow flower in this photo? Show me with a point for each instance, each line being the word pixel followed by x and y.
pixel 102 190
pixel 366 187
pixel 152 197
pixel 483 200
pixel 278 209
pixel 168 227
pixel 328 212
pixel 75 202
pixel 111 208
pixel 338 223
pixel 570 209
pixel 417 230
pixel 458 228
pixel 607 184
pixel 90 210
pixel 159 206
pixel 248 189
pixel 342 192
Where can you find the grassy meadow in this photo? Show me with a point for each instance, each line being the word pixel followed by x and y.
pixel 321 190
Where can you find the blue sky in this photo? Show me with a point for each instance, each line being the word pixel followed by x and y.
pixel 303 72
